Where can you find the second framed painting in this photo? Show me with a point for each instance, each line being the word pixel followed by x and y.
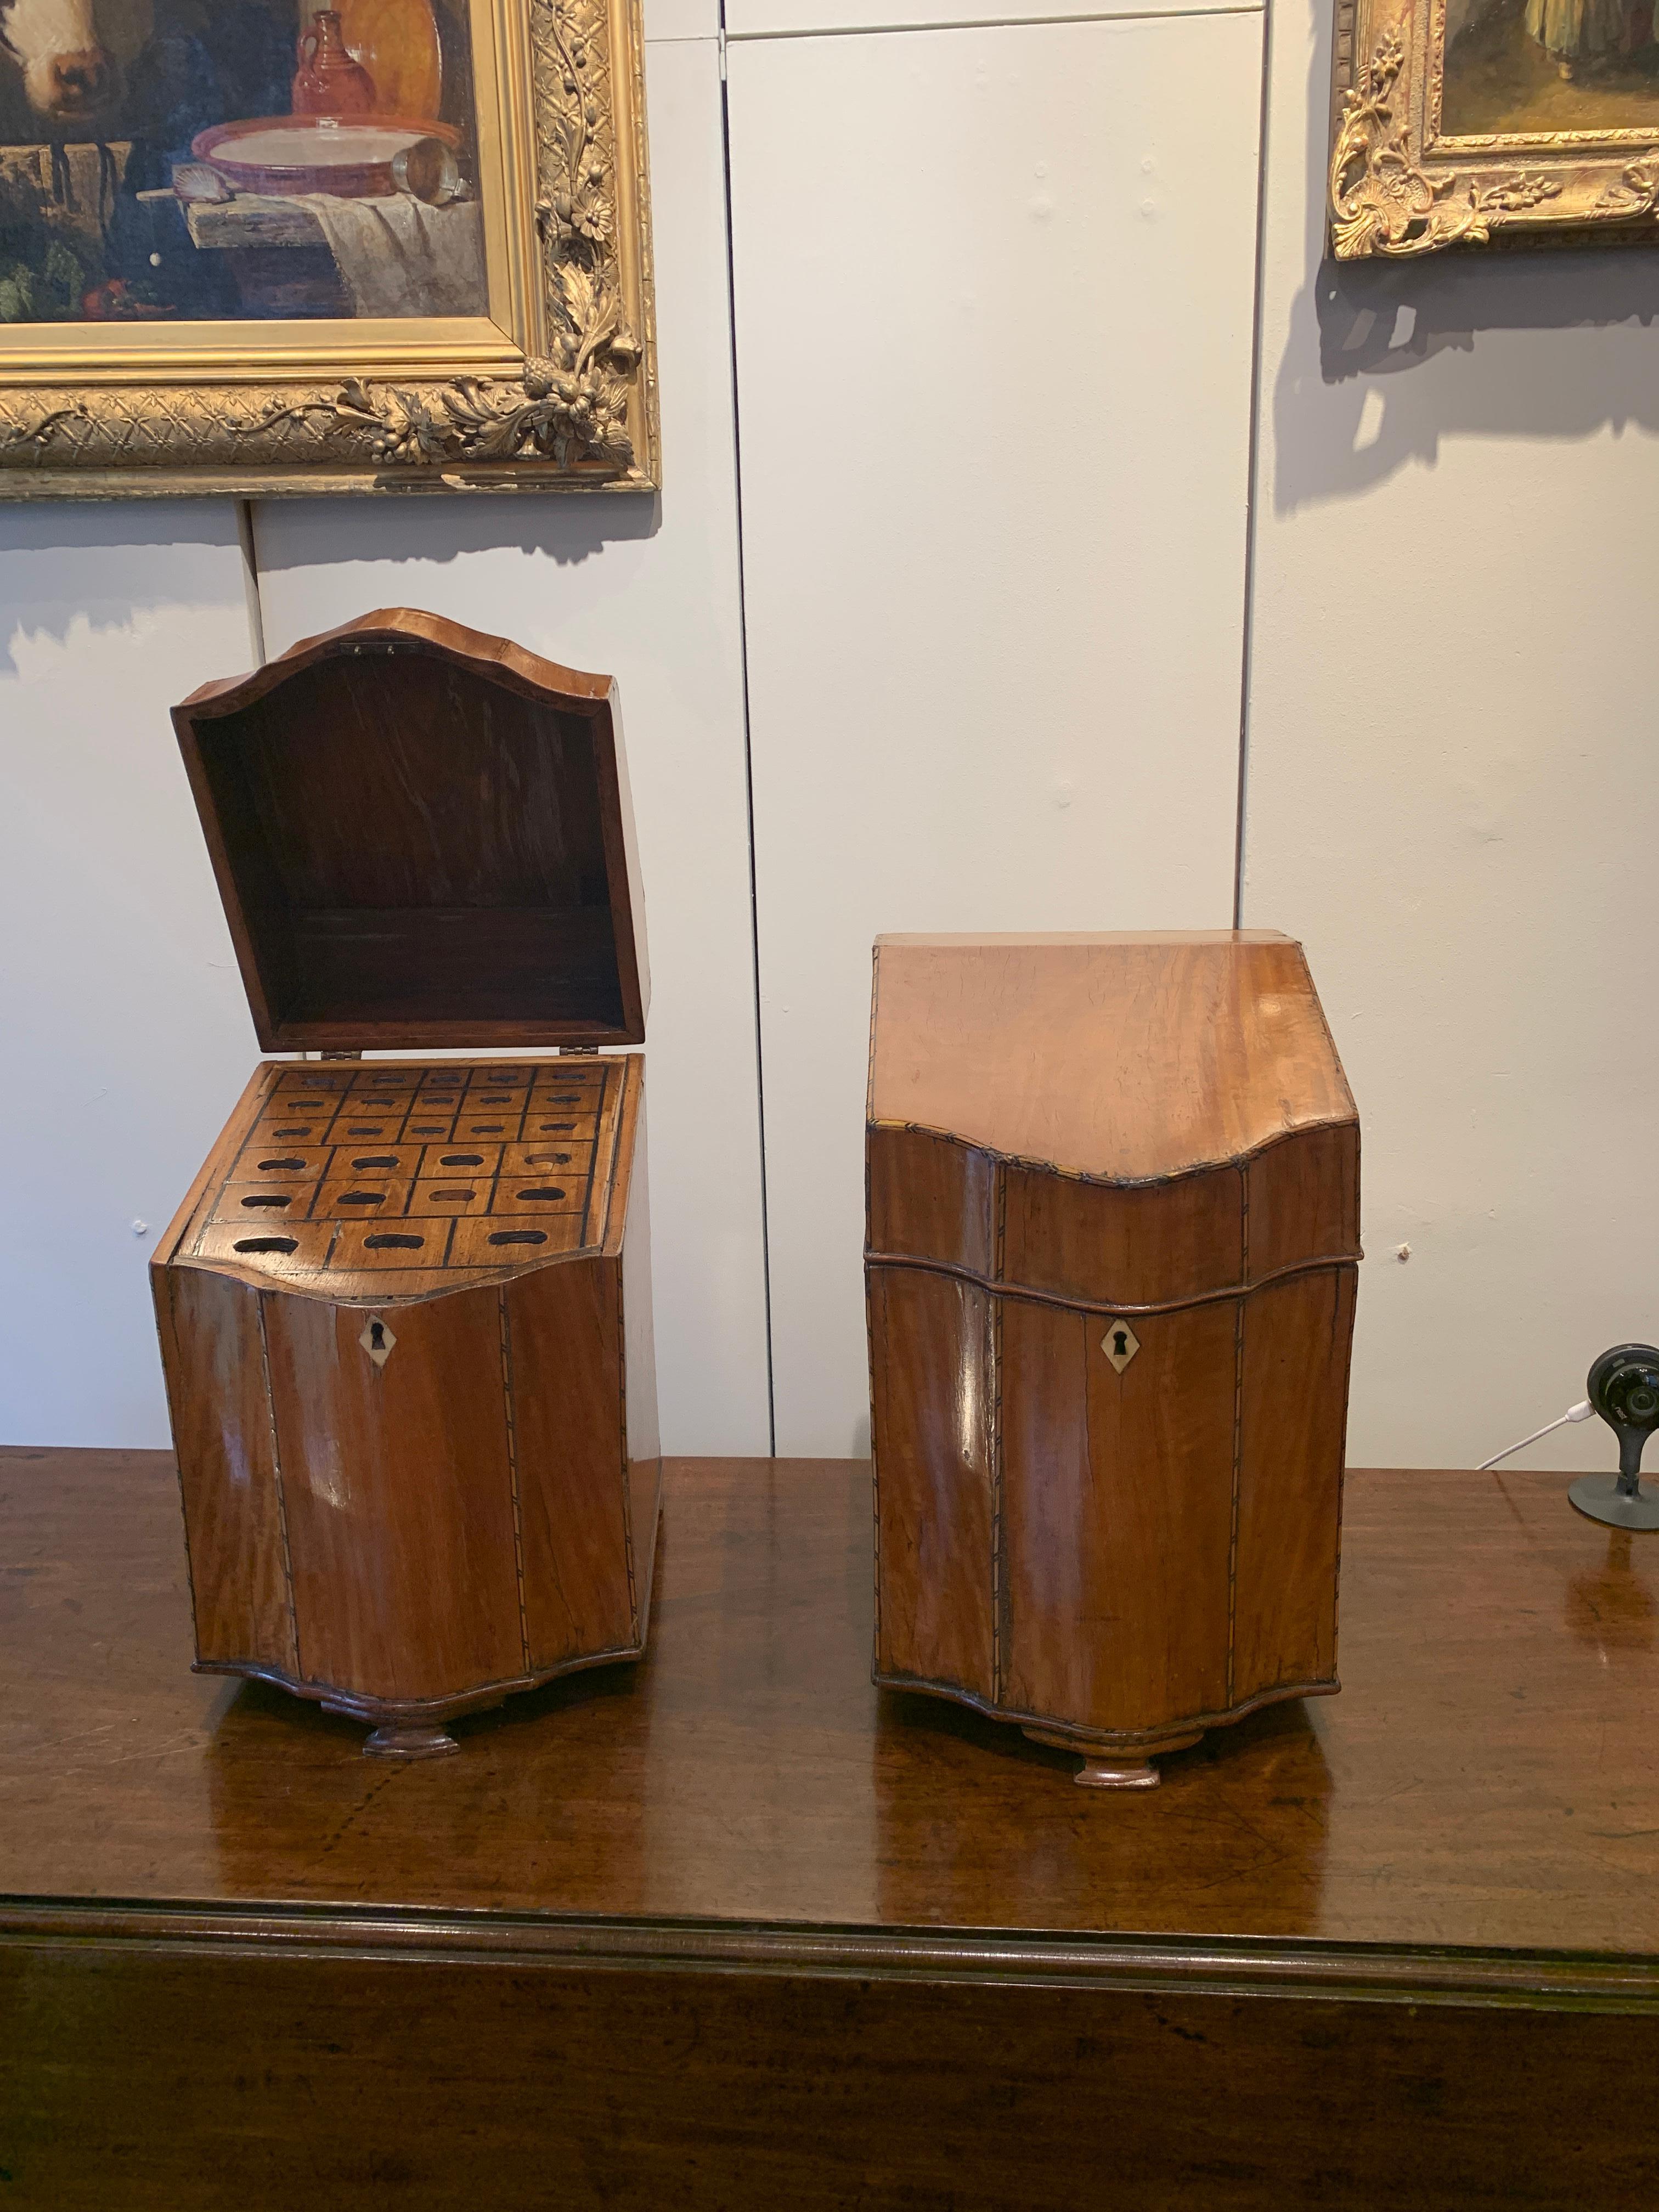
pixel 1474 123
pixel 258 247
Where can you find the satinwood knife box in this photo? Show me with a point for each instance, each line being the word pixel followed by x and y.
pixel 405 1310
pixel 1112 1251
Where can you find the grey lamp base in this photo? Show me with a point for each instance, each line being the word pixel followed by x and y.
pixel 1597 1495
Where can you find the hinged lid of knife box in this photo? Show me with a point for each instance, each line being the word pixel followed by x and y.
pixel 423 838
pixel 1125 1058
pixel 1169 1112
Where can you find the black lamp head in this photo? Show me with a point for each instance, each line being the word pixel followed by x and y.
pixel 1623 1386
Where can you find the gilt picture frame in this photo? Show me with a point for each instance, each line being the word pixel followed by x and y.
pixel 321 294
pixel 1489 123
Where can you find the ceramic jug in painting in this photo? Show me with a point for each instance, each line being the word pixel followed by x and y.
pixel 328 81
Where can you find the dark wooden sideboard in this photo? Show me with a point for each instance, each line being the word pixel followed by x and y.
pixel 735 1928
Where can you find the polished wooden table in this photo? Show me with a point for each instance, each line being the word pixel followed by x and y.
pixel 737 1929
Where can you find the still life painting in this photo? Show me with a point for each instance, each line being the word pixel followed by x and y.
pixel 262 245
pixel 1475 123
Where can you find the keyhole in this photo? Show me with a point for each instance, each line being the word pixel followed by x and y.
pixel 377 1339
pixel 1120 1344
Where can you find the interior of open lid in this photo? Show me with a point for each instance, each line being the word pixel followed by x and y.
pixel 421 838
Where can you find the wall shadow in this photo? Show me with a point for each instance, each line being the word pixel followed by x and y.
pixel 63 561
pixel 564 527
pixel 1383 359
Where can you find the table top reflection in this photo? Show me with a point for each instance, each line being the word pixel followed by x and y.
pixel 1485 1779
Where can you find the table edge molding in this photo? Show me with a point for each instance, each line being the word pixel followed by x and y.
pixel 1212 1965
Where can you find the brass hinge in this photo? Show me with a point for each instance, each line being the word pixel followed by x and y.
pixel 579 1051
pixel 339 1055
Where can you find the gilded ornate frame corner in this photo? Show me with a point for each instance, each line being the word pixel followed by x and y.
pixel 1399 185
pixel 555 389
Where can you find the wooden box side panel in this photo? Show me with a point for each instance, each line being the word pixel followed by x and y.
pixel 399 1485
pixel 1135 1245
pixel 1304 1200
pixel 213 1357
pixel 1292 1415
pixel 644 1432
pixel 565 1354
pixel 1116 1516
pixel 930 1199
pixel 930 1421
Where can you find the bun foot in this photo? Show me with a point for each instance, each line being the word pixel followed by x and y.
pixel 1117 1774
pixel 396 1740
pixel 1105 1769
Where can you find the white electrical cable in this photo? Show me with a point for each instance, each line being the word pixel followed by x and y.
pixel 1581 1412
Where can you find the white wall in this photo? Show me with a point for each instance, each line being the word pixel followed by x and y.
pixel 125 1034
pixel 1451 785
pixel 996 320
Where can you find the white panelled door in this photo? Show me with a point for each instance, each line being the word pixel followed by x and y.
pixel 994 303
pixel 647 591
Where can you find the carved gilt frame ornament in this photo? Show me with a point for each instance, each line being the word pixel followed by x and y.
pixel 1402 182
pixel 554 389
